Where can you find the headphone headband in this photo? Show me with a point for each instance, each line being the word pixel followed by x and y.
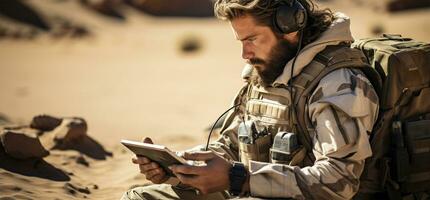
pixel 287 2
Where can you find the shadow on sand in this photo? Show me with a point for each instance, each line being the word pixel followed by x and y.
pixel 87 146
pixel 32 167
pixel 37 167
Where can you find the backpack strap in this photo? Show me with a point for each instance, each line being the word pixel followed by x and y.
pixel 325 62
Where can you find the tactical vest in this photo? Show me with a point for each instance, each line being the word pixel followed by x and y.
pixel 269 109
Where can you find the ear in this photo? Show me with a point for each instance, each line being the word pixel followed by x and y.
pixel 291 37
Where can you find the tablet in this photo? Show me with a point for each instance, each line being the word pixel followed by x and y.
pixel 157 153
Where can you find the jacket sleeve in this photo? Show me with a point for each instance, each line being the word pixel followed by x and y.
pixel 343 109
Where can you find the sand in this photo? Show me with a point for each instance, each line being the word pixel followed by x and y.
pixel 130 79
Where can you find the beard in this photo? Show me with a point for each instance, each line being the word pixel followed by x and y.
pixel 268 70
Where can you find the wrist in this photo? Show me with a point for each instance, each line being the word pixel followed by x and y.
pixel 239 179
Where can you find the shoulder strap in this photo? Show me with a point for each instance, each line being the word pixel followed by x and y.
pixel 325 62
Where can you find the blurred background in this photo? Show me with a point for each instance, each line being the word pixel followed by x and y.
pixel 135 68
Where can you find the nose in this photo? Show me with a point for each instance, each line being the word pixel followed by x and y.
pixel 247 52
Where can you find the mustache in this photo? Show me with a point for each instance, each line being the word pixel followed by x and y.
pixel 256 61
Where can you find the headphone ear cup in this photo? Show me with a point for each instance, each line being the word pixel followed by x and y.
pixel 288 19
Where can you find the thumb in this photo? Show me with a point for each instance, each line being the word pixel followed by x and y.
pixel 148 140
pixel 200 156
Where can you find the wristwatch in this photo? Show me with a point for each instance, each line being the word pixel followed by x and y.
pixel 237 175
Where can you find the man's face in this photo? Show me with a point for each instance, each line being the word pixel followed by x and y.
pixel 262 48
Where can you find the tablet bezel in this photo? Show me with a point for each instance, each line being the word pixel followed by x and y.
pixel 153 147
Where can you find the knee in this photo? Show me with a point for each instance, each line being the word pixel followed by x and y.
pixel 137 193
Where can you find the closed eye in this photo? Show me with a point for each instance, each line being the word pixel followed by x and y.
pixel 249 38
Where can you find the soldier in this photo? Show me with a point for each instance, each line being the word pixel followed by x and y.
pixel 264 150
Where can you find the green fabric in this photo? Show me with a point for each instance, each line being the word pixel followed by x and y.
pixel 404 66
pixel 402 62
pixel 169 192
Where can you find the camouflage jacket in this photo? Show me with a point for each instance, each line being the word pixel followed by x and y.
pixel 343 107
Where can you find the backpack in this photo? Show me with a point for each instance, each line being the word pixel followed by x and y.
pixel 399 70
pixel 401 137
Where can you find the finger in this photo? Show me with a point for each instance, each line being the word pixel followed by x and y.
pixel 154 172
pixel 159 178
pixel 186 179
pixel 201 155
pixel 147 167
pixel 141 160
pixel 148 140
pixel 219 154
pixel 156 179
pixel 187 169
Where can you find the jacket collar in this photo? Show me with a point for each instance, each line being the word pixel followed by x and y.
pixel 338 32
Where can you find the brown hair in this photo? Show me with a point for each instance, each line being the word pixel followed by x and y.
pixel 263 11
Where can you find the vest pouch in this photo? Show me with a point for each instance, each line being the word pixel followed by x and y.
pixel 417 139
pixel 399 154
pixel 285 146
pixel 257 151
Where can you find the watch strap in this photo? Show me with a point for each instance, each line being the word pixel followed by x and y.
pixel 237 175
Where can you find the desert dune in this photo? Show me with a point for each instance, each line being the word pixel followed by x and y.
pixel 167 78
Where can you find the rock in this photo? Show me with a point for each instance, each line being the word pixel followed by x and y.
pixel 174 8
pixel 401 5
pixel 378 29
pixel 22 143
pixel 45 122
pixel 81 160
pixel 73 189
pixel 65 28
pixel 190 44
pixel 4 120
pixel 3 32
pixel 45 133
pixel 70 131
pixel 80 32
pixel 20 11
pixel 108 8
pixel 77 129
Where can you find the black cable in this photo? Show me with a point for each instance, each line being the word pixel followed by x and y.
pixel 213 126
pixel 291 91
pixel 299 47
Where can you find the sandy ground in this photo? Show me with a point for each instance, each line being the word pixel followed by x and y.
pixel 129 81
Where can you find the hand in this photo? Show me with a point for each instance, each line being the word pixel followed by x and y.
pixel 152 171
pixel 214 177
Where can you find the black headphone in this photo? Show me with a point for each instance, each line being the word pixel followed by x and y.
pixel 289 17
